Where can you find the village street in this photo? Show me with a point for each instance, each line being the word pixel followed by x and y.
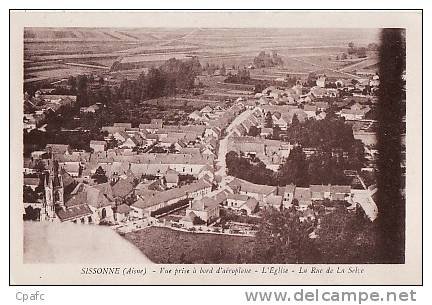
pixel 223 145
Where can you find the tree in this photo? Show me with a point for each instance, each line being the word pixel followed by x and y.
pixel 268 120
pixel 282 238
pixel 294 169
pixel 361 52
pixel 29 195
pixel 198 221
pixel 40 166
pixel 254 131
pixel 295 121
pixel 311 79
pixel 343 56
pixel 351 48
pixel 276 133
pixel 373 47
pixel 31 213
pixel 100 176
pixel 264 60
pixel 223 70
pixel 72 83
pixel 345 237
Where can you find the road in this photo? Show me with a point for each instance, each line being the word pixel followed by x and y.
pixel 223 145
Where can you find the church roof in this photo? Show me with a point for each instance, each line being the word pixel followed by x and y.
pixel 74 212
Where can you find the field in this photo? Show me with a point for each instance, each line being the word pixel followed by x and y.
pixel 163 245
pixel 303 50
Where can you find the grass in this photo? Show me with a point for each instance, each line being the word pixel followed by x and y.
pixel 163 245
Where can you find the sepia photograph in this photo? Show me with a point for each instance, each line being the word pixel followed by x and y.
pixel 185 145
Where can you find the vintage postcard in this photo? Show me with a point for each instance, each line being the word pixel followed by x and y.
pixel 216 147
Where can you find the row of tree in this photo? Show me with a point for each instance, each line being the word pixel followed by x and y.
pixel 265 60
pixel 342 237
pixel 321 168
pixel 353 50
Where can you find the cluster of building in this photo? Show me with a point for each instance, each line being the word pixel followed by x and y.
pixel 271 152
pixel 37 109
pixel 153 169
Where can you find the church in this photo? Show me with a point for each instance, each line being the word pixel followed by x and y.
pixel 67 201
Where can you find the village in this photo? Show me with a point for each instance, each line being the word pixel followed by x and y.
pixel 265 156
pixel 176 176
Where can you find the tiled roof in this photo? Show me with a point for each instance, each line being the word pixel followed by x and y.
pixel 123 209
pixel 172 194
pixel 319 188
pixel 74 212
pixel 31 181
pixel 251 204
pixel 290 188
pixel 340 189
pixel 247 186
pixel 302 193
pixel 122 188
pixel 274 200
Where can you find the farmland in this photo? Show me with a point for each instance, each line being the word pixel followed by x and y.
pixel 56 53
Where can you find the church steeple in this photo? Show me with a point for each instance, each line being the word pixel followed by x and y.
pixel 54 193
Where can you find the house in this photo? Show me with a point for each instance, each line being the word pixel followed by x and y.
pixel 57 149
pixel 90 109
pixel 206 171
pixel 221 197
pixel 98 145
pixel 340 192
pixel 212 132
pixel 33 183
pixel 121 136
pixel 148 128
pixel 76 213
pixel 207 152
pixel 266 132
pixel 257 191
pixel 144 207
pixel 100 199
pixel 274 200
pixel 122 212
pixel 352 114
pixel 157 122
pixel 111 130
pixel 188 220
pixel 205 208
pixel 322 106
pixel 130 142
pixel 303 198
pixel 320 192
pixel 320 116
pixel 318 92
pixel 250 206
pixel 72 168
pixel 123 125
pixel 307 215
pixel 196 115
pixel 288 195
pixel 206 109
pixel 171 178
pixel 375 81
pixel 321 81
pixel 310 111
pixel 235 201
pixel 87 204
pixel 123 188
